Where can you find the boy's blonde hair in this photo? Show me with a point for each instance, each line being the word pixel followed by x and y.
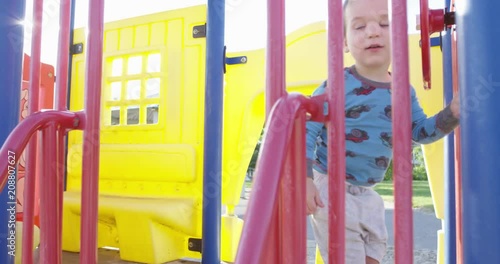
pixel 344 7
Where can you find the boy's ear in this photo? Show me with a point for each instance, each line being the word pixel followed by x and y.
pixel 346 49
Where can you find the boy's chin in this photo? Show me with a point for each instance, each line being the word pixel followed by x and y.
pixel 373 60
pixel 376 64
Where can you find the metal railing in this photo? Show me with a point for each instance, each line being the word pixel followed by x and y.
pixel 54 126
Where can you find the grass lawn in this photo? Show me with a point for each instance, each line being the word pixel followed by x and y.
pixel 421 194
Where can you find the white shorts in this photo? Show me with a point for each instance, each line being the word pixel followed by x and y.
pixel 366 232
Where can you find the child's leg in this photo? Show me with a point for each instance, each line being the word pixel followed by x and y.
pixel 372 221
pixel 355 245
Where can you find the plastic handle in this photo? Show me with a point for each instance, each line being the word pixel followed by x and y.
pixel 431 21
pixel 425 43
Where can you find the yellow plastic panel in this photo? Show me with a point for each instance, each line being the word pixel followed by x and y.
pixel 432 102
pixel 243 121
pixel 231 227
pixel 142 36
pixel 126 38
pixel 157 33
pixel 110 40
pixel 441 246
pixel 167 160
pixel 151 152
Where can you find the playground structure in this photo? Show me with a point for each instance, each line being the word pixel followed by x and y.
pixel 169 197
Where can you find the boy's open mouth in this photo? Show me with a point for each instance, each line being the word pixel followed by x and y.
pixel 374 46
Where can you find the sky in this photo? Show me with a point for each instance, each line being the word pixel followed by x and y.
pixel 246 20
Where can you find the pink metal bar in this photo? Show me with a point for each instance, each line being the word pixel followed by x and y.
pixel 63 55
pixel 293 206
pixel 29 201
pixel 272 239
pixel 91 134
pixel 18 139
pixel 36 44
pixel 31 154
pixel 401 118
pixel 275 53
pixel 50 252
pixel 60 165
pixel 61 97
pixel 259 239
pixel 336 133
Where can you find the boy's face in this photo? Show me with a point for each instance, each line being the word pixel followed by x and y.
pixel 367 32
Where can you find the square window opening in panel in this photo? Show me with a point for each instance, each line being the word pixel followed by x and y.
pixel 154 62
pixel 116 91
pixel 153 88
pixel 134 65
pixel 115 116
pixel 133 115
pixel 134 90
pixel 152 112
pixel 117 67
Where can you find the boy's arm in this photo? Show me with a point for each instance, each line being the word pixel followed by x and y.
pixel 313 130
pixel 313 200
pixel 427 130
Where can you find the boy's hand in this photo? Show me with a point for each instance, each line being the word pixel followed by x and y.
pixel 312 196
pixel 455 106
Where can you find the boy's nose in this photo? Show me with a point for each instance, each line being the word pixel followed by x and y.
pixel 373 30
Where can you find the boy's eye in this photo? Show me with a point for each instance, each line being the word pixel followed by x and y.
pixel 384 24
pixel 358 27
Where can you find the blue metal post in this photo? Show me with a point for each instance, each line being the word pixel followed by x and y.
pixel 11 56
pixel 449 157
pixel 479 77
pixel 450 251
pixel 212 179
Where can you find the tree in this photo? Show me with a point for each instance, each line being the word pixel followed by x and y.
pixel 419 172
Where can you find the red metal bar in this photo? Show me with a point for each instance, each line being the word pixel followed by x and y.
pixel 275 53
pixel 91 134
pixel 18 139
pixel 31 155
pixel 336 133
pixel 401 118
pixel 293 206
pixel 50 252
pixel 258 239
pixel 425 43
